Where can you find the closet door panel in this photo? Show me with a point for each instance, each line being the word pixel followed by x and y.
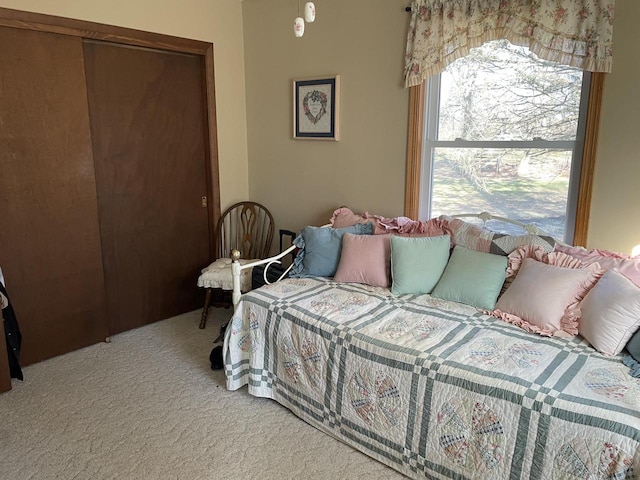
pixel 49 240
pixel 148 121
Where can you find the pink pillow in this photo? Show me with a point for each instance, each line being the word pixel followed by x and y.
pixel 469 236
pixel 415 228
pixel 365 259
pixel 344 217
pixel 545 296
pixel 538 253
pixel 622 263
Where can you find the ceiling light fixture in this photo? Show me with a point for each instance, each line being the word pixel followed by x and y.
pixel 309 12
pixel 309 16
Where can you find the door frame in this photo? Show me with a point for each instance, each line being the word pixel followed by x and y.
pixel 139 38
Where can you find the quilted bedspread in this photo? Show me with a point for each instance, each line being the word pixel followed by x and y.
pixel 435 389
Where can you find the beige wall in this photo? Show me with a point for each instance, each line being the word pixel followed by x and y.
pixel 615 209
pixel 363 40
pixel 302 181
pixel 215 21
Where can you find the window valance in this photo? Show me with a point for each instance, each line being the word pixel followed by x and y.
pixel 571 32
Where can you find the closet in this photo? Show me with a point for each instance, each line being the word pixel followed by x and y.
pixel 147 123
pixel 108 177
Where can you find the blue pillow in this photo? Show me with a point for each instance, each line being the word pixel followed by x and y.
pixel 633 347
pixel 633 364
pixel 320 249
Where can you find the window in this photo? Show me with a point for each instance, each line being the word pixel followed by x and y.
pixel 504 132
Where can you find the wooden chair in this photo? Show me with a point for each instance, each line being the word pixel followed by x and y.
pixel 247 227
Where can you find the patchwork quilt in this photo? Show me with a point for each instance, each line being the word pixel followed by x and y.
pixel 435 389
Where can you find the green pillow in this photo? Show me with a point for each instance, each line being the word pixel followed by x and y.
pixel 473 278
pixel 417 263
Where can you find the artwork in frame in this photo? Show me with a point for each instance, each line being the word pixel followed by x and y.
pixel 316 108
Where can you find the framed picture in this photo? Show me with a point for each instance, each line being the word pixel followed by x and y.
pixel 316 108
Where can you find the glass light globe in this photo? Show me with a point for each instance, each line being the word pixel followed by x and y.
pixel 309 12
pixel 298 27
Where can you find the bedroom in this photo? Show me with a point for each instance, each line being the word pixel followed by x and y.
pixel 255 57
pixel 255 149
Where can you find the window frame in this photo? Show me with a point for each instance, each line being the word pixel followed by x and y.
pixel 413 178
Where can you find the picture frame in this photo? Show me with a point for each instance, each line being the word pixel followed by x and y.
pixel 316 108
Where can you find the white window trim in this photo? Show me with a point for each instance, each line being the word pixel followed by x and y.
pixel 430 143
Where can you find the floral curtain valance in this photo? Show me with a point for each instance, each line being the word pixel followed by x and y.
pixel 572 32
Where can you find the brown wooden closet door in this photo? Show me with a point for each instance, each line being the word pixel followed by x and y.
pixel 148 119
pixel 49 236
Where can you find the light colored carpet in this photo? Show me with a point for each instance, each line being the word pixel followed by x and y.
pixel 147 406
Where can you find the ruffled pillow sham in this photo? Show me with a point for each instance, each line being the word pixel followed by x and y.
pixel 402 226
pixel 608 260
pixel 545 292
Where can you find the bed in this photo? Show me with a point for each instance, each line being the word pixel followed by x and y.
pixel 435 388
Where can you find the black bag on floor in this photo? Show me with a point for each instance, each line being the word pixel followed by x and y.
pixel 215 357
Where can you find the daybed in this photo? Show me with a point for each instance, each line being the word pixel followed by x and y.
pixel 437 388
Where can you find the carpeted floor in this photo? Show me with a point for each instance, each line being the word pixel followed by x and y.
pixel 147 406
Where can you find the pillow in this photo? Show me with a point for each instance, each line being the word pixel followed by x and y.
pixel 473 278
pixel 624 264
pixel 502 244
pixel 320 249
pixel 415 228
pixel 545 298
pixel 538 253
pixel 633 364
pixel 417 263
pixel 468 235
pixel 365 259
pixel 610 313
pixel 633 347
pixel 481 239
pixel 344 217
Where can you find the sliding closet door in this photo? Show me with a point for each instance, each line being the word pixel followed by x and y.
pixel 148 122
pixel 49 236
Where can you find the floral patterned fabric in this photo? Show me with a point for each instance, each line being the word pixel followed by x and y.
pixel 571 32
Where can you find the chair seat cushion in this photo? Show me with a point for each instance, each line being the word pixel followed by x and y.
pixel 218 275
